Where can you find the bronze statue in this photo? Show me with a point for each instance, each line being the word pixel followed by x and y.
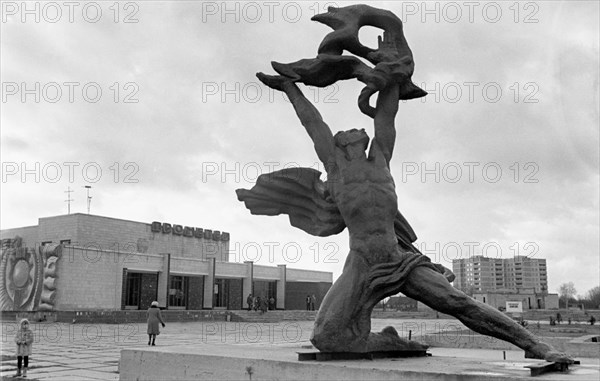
pixel 359 194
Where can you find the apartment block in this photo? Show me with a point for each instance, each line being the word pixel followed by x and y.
pixel 482 274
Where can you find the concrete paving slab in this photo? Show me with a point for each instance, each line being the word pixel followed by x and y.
pixel 64 378
pixel 75 355
pixel 82 374
pixel 72 361
pixel 40 364
pixel 110 356
pixel 86 365
pixel 49 369
pixel 46 358
pixel 108 369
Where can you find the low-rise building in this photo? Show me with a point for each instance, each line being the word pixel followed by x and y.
pixel 88 262
pixel 528 299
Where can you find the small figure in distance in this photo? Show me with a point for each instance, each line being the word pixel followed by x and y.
pixel 24 341
pixel 154 317
pixel 250 301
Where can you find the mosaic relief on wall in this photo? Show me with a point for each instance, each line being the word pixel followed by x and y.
pixel 29 276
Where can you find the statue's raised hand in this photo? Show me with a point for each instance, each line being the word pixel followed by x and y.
pixel 386 49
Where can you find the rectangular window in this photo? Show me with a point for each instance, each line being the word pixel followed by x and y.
pixel 221 293
pixel 178 291
pixel 133 290
pixel 272 290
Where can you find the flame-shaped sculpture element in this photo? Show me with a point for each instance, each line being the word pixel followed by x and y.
pixel 393 58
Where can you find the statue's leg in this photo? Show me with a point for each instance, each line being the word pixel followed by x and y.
pixel 342 324
pixel 432 288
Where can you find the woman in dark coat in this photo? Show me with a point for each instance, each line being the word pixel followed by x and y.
pixel 154 317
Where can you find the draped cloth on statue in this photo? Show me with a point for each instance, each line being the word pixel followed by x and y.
pixel 299 193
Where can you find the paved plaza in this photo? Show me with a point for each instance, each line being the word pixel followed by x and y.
pixel 80 352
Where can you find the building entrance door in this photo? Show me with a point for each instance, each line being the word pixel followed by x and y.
pixel 133 291
pixel 178 287
pixel 221 293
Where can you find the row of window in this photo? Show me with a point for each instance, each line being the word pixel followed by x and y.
pixel 179 289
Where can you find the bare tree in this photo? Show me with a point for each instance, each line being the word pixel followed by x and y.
pixel 566 292
pixel 593 297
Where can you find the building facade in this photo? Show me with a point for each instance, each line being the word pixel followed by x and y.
pixel 85 262
pixel 527 299
pixel 483 274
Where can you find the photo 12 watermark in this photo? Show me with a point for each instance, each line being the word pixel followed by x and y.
pixel 69 92
pixel 452 251
pixel 440 333
pixel 105 253
pixel 237 333
pixel 452 12
pixel 53 12
pixel 254 92
pixel 53 333
pixel 469 171
pixel 238 172
pixel 69 171
pixel 252 12
pixel 285 252
pixel 477 92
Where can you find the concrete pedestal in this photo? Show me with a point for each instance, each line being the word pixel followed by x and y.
pixel 279 362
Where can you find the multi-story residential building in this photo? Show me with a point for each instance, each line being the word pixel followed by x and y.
pixel 482 274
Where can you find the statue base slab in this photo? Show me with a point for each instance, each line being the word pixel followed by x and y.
pixel 332 356
pixel 263 361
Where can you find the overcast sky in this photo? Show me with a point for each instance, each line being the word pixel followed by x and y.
pixel 155 104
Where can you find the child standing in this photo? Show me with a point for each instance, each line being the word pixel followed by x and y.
pixel 24 340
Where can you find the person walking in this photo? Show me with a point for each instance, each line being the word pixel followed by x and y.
pixel 313 302
pixel 154 317
pixel 24 340
pixel 250 301
pixel 264 304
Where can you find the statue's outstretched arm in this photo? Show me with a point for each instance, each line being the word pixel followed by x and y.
pixel 309 116
pixel 393 72
pixel 385 130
